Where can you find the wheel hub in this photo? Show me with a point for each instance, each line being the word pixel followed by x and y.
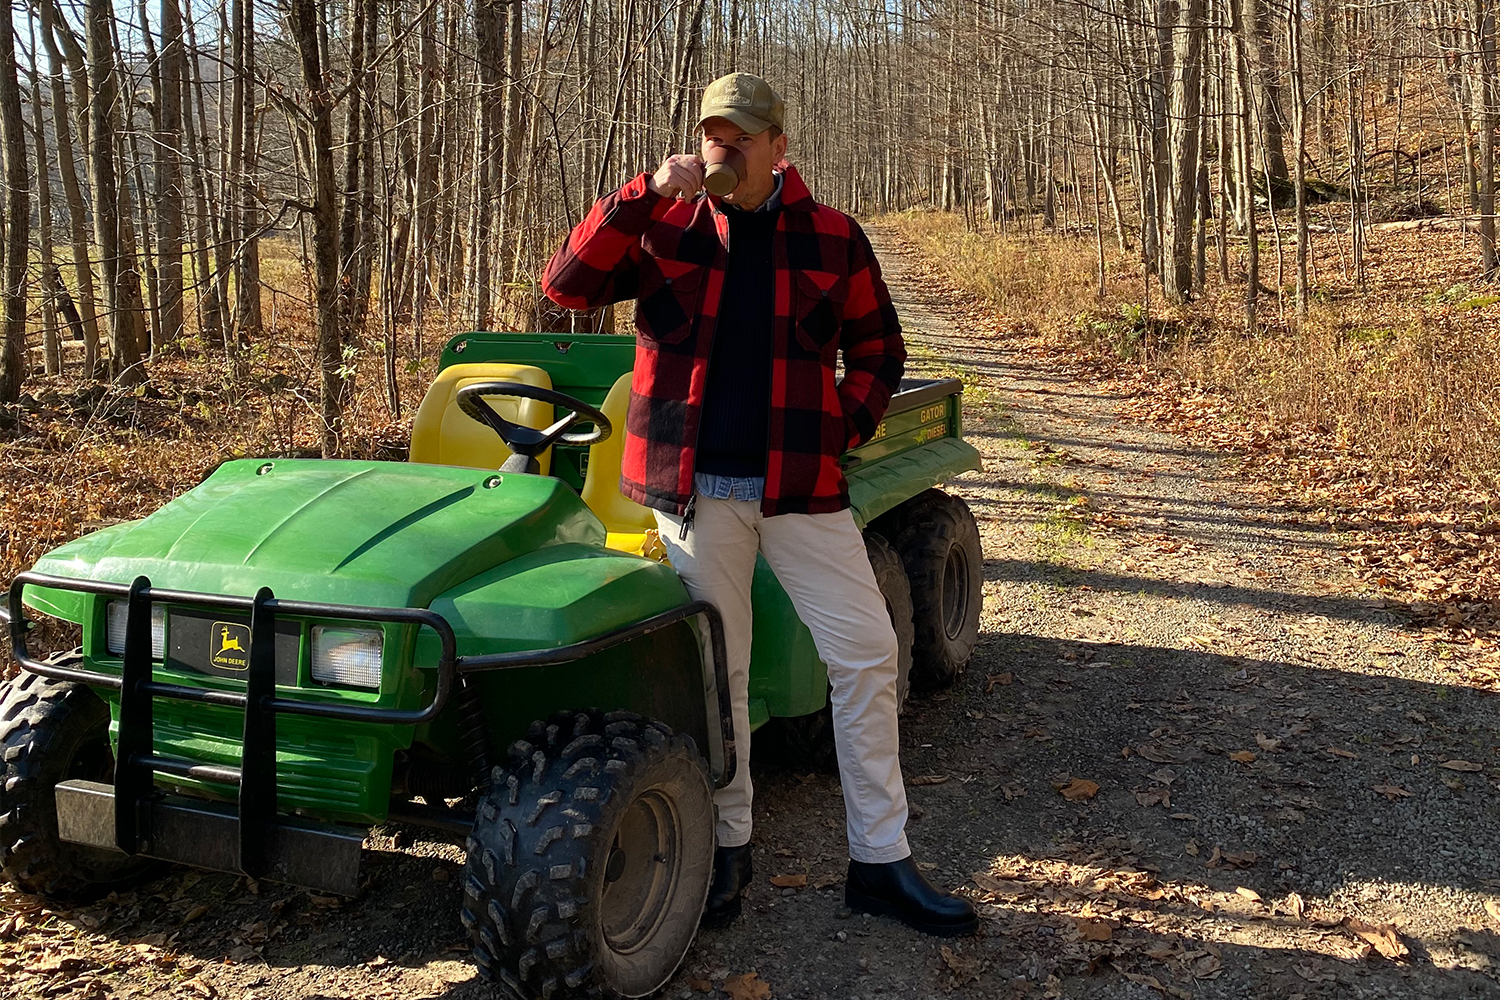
pixel 955 592
pixel 641 872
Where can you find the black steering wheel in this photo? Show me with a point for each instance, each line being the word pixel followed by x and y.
pixel 526 443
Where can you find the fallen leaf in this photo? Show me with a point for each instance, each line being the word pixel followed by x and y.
pixel 1382 936
pixel 747 987
pixel 1492 907
pixel 1393 792
pixel 1243 756
pixel 789 881
pixel 195 913
pixel 1342 753
pixel 1150 981
pixel 931 779
pixel 1003 680
pixel 1154 797
pixel 1266 743
pixel 1295 905
pixel 202 986
pixel 1249 894
pixel 1078 789
pixel 244 955
pixel 1207 967
pixel 698 985
pixel 1191 847
pixel 1314 974
pixel 1093 930
pixel 1461 765
pixel 1000 886
pixel 56 963
pixel 965 968
pixel 1245 859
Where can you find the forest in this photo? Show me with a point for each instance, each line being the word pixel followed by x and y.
pixel 1203 292
pixel 300 202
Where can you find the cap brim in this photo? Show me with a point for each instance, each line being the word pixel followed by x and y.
pixel 746 121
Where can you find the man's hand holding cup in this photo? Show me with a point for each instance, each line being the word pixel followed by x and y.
pixel 679 176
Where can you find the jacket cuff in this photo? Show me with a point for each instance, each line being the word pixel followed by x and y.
pixel 637 207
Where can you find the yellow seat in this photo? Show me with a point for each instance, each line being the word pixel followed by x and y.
pixel 625 521
pixel 442 434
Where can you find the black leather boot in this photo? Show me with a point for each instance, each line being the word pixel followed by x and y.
pixel 899 890
pixel 732 874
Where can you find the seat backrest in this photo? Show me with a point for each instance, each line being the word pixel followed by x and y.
pixel 601 484
pixel 442 434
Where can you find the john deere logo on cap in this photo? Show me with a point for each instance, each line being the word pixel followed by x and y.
pixel 230 644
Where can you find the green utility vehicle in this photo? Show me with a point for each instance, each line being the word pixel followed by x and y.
pixel 298 649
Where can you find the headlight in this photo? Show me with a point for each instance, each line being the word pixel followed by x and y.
pixel 349 657
pixel 115 628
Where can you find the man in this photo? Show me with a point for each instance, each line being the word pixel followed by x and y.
pixel 733 436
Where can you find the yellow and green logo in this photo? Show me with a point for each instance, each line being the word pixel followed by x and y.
pixel 229 644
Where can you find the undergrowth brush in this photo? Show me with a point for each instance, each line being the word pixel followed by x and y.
pixel 1404 375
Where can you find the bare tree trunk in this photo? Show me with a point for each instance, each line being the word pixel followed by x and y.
pixel 489 44
pixel 13 362
pixel 122 292
pixel 424 193
pixel 147 245
pixel 1186 120
pixel 1354 89
pixel 205 219
pixel 510 181
pixel 1247 168
pixel 304 25
pixel 169 227
pixel 353 240
pixel 1265 74
pixel 1299 125
pixel 247 266
pixel 78 231
pixel 1484 113
pixel 51 280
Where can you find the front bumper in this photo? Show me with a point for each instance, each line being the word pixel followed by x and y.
pixel 249 836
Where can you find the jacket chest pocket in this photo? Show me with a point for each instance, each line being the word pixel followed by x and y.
pixel 670 298
pixel 820 297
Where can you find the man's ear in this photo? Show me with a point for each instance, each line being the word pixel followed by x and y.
pixel 778 148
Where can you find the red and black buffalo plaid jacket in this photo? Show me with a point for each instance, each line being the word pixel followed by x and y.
pixel 670 256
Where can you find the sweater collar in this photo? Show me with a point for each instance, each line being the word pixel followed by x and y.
pixel 791 193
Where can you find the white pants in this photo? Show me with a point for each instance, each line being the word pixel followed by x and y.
pixel 820 560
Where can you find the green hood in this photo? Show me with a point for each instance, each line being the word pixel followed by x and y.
pixel 381 534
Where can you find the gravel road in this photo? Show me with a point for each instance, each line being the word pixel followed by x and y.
pixel 1294 797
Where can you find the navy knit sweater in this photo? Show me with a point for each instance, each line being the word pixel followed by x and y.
pixel 737 400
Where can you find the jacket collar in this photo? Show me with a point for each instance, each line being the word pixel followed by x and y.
pixel 795 197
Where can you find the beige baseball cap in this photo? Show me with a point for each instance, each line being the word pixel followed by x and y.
pixel 746 100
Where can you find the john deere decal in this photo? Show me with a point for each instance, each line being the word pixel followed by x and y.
pixel 230 643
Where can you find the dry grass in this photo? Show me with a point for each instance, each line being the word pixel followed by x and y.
pixel 1403 374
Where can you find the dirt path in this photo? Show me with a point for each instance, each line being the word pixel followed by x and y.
pixel 1268 750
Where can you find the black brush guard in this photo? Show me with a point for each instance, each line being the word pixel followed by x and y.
pixel 249 836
